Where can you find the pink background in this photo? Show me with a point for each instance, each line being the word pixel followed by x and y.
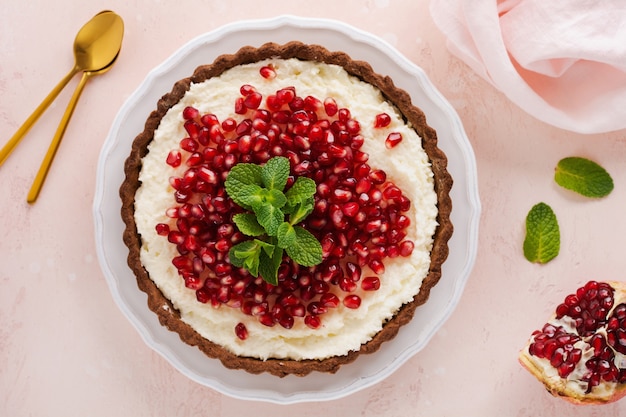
pixel 67 350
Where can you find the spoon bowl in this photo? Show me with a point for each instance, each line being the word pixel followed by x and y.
pixel 98 42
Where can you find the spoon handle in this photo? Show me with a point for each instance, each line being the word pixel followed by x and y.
pixel 56 141
pixel 17 137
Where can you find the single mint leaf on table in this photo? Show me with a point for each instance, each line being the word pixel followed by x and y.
pixel 584 177
pixel 543 238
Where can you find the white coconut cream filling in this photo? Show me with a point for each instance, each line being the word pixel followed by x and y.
pixel 407 165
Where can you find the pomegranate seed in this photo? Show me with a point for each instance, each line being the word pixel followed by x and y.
pixel 162 229
pixel 222 245
pixel 352 301
pixel 316 308
pixel 209 120
pixel 314 322
pixel 347 285
pixel 189 144
pixel 377 176
pixel 285 95
pixel 247 89
pixel 296 104
pixel 253 100
pixel 266 320
pixel 350 209
pixel 406 248
pixel 174 158
pixel 370 283
pixel 393 140
pixel 268 72
pixel 190 113
pixel 330 106
pixel 344 115
pixel 286 320
pixel 240 107
pixel 353 271
pixel 329 300
pixel 392 192
pixel 382 120
pixel 377 266
pixel 297 310
pixel 342 196
pixel 241 331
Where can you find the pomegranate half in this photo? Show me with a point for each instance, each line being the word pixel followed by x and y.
pixel 580 353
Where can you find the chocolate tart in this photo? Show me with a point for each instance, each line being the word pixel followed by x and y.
pixel 163 307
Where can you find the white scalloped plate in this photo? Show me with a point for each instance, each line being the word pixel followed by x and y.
pixel 367 369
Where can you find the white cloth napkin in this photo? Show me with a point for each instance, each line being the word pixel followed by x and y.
pixel 562 61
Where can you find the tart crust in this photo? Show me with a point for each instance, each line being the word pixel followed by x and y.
pixel 159 304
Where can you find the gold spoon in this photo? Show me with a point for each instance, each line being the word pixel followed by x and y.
pixel 56 141
pixel 96 47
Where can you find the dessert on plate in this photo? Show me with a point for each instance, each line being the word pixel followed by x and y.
pixel 286 208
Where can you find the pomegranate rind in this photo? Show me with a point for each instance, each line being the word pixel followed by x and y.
pixel 167 313
pixel 570 389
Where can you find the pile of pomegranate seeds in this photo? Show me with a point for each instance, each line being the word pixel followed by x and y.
pixel 359 216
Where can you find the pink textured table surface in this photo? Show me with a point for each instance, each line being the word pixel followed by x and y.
pixel 67 350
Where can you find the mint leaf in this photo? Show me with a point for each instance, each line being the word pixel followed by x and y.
pixel 252 264
pixel 543 239
pixel 299 213
pixel 275 172
pixel 584 177
pixel 302 189
pixel 268 248
pixel 248 196
pixel 239 253
pixel 306 250
pixel 274 197
pixel 248 224
pixel 269 217
pixel 268 266
pixel 243 174
pixel 286 235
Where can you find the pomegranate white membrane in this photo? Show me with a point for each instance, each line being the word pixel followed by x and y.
pixel 370 292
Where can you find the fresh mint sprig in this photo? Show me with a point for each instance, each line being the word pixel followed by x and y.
pixel 272 218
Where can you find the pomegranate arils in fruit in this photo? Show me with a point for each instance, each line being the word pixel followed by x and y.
pixel 589 307
pixel 357 213
pixel 585 343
